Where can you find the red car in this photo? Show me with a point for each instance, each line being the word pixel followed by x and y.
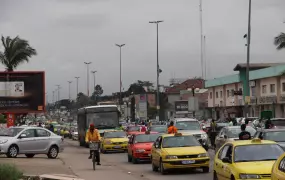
pixel 132 130
pixel 139 147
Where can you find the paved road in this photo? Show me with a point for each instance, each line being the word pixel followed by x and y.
pixel 115 165
pixel 74 161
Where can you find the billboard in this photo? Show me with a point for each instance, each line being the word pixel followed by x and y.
pixel 22 92
pixel 181 106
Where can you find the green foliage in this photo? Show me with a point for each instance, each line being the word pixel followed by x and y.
pixel 2 119
pixel 16 51
pixel 10 172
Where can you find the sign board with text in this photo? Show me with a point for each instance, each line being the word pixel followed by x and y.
pixel 22 92
pixel 181 106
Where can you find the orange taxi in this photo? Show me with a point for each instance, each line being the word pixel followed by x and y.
pixel 139 146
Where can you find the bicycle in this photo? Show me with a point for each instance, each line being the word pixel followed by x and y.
pixel 94 147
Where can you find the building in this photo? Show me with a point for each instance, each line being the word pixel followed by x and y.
pixel 267 91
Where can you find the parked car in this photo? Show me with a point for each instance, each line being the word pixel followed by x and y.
pixel 30 141
pixel 277 135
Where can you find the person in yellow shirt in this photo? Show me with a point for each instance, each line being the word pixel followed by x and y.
pixel 93 135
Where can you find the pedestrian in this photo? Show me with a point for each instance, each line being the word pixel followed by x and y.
pixel 93 135
pixel 244 135
pixel 172 129
pixel 143 127
pixel 213 133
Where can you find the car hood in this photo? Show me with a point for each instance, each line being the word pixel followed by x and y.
pixel 255 167
pixel 192 131
pixel 6 137
pixel 143 145
pixel 132 132
pixel 185 150
pixel 117 139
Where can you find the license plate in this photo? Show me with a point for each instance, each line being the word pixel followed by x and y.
pixel 117 147
pixel 188 162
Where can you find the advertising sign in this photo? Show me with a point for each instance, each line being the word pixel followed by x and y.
pixel 143 106
pixel 22 92
pixel 181 106
pixel 10 120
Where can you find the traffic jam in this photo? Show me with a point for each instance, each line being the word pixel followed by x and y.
pixel 260 157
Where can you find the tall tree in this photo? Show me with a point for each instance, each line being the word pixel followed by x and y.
pixel 16 51
pixel 279 41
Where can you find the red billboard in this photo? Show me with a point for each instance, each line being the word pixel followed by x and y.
pixel 22 92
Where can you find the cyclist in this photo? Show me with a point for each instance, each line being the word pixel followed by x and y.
pixel 172 129
pixel 244 135
pixel 93 135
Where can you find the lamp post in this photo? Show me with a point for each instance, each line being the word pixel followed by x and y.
pixel 77 80
pixel 58 91
pixel 120 98
pixel 87 63
pixel 158 70
pixel 193 89
pixel 94 78
pixel 53 97
pixel 69 94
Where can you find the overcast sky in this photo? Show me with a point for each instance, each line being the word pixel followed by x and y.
pixel 68 32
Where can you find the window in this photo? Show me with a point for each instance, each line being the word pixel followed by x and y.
pixel 272 88
pixel 225 152
pixel 42 133
pixel 217 95
pixel 221 94
pixel 30 133
pixel 253 93
pixel 283 87
pixel 282 165
pixel 211 95
pixel 263 89
pixel 233 91
pixel 228 93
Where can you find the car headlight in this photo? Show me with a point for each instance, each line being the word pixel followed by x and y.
pixel 203 155
pixel 3 141
pixel 108 142
pixel 204 136
pixel 249 176
pixel 140 150
pixel 171 157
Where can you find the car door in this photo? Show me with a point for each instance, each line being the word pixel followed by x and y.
pixel 43 140
pixel 157 150
pixel 227 167
pixel 219 165
pixel 27 144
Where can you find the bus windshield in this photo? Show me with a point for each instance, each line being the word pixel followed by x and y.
pixel 103 119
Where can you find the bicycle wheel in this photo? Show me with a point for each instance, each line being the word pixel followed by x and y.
pixel 93 160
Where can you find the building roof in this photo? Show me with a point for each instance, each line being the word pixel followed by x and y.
pixel 222 80
pixel 198 83
pixel 256 66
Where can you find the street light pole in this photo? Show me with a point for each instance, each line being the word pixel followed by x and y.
pixel 87 63
pixel 77 79
pixel 53 97
pixel 69 94
pixel 120 99
pixel 247 88
pixel 58 91
pixel 157 71
pixel 94 78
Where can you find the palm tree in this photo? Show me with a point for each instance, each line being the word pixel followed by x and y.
pixel 279 41
pixel 16 51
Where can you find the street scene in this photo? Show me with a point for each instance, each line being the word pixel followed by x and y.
pixel 147 90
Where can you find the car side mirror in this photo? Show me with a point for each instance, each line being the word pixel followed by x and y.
pixel 23 136
pixel 226 160
pixel 156 145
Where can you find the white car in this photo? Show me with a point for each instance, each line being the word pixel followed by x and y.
pixel 74 134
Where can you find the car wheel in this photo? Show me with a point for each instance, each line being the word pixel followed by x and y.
pixel 134 160
pixel 129 158
pixel 12 151
pixel 29 155
pixel 215 177
pixel 232 177
pixel 205 169
pixel 162 170
pixel 53 152
pixel 154 168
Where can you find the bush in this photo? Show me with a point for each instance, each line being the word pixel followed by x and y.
pixel 10 172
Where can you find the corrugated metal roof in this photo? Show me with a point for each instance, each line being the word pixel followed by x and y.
pixel 222 80
pixel 255 66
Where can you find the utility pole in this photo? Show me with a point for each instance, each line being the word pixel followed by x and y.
pixel 201 33
pixel 120 99
pixel 87 63
pixel 158 71
pixel 69 93
pixel 247 88
pixel 94 78
pixel 77 80
pixel 58 91
pixel 53 97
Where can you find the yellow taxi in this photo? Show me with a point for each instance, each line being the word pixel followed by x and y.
pixel 278 169
pixel 114 140
pixel 178 151
pixel 246 159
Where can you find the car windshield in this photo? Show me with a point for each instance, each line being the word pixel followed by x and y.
pixel 119 134
pixel 11 132
pixel 188 125
pixel 143 138
pixel 262 152
pixel 179 141
pixel 134 128
pixel 103 119
pixel 234 132
pixel 278 122
pixel 278 136
pixel 160 129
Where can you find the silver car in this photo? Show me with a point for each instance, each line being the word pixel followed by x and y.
pixel 30 141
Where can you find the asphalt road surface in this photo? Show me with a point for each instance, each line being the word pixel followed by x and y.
pixel 74 161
